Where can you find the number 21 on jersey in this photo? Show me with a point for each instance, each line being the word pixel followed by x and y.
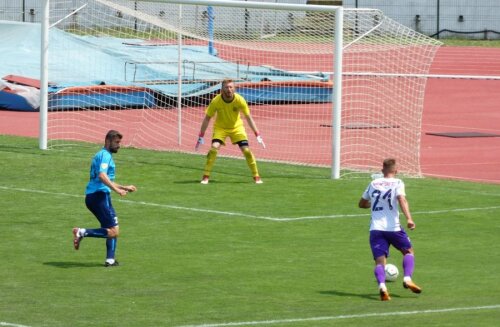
pixel 380 200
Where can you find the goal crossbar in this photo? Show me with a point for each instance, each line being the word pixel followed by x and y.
pixel 251 4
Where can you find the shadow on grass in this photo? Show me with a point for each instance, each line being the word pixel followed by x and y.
pixel 370 296
pixel 68 264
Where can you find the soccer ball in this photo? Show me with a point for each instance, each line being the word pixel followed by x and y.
pixel 391 272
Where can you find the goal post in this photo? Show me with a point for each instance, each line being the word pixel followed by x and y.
pixel 327 86
pixel 44 74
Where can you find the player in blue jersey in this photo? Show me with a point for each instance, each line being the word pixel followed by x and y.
pixel 98 197
pixel 383 196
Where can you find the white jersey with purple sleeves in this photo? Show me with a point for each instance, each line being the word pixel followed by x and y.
pixel 383 194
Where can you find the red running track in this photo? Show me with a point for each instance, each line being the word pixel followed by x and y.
pixel 463 105
pixel 451 105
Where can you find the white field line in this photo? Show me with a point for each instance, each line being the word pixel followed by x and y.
pixel 356 316
pixel 3 323
pixel 244 215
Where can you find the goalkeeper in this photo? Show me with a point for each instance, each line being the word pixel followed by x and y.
pixel 227 107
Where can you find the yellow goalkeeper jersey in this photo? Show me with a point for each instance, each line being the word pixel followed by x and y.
pixel 228 114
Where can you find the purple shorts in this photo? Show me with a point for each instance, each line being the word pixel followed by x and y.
pixel 381 240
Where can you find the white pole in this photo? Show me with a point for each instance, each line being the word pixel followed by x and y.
pixel 179 80
pixel 44 75
pixel 251 4
pixel 337 92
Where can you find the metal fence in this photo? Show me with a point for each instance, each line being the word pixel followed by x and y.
pixel 478 19
pixel 253 20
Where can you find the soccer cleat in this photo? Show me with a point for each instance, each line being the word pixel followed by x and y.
pixel 412 286
pixel 384 295
pixel 109 264
pixel 257 180
pixel 204 180
pixel 76 238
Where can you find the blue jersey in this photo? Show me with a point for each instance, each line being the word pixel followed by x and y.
pixel 101 163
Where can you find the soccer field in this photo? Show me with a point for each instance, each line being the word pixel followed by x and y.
pixel 291 252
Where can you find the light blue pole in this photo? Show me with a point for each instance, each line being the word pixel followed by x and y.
pixel 210 14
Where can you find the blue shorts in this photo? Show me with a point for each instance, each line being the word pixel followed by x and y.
pixel 380 241
pixel 99 203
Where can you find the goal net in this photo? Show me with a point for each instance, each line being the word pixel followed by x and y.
pixel 149 69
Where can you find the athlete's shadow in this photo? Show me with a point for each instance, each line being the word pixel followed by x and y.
pixel 370 296
pixel 72 264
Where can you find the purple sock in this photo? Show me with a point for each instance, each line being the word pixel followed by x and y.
pixel 408 264
pixel 379 273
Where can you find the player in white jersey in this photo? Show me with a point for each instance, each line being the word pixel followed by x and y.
pixel 384 196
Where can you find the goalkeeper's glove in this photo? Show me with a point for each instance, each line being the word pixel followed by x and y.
pixel 201 141
pixel 260 140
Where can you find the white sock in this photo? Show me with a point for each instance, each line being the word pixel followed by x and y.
pixel 382 286
pixel 110 261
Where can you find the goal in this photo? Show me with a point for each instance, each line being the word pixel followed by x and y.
pixel 149 68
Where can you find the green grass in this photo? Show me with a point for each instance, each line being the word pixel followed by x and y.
pixel 471 43
pixel 181 266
